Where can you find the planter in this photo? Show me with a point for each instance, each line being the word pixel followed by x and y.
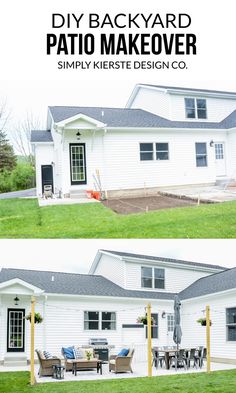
pixel 202 322
pixel 96 195
pixel 37 317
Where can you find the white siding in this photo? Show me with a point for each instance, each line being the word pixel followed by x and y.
pixel 176 279
pixel 126 171
pixel 231 155
pixel 152 101
pixel 111 268
pixel 194 334
pixel 172 106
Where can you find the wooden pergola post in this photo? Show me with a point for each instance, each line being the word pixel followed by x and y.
pixel 208 338
pixel 149 339
pixel 32 377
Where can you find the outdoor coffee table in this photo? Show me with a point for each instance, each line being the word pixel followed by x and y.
pixel 84 364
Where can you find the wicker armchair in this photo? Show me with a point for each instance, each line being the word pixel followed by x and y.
pixel 45 368
pixel 121 364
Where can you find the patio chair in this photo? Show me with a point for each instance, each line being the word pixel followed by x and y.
pixel 45 365
pixel 157 358
pixel 180 359
pixel 191 357
pixel 121 364
pixel 200 355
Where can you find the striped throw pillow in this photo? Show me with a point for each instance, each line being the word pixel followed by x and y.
pixel 47 355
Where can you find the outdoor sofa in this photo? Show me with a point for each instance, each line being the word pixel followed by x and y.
pixel 71 354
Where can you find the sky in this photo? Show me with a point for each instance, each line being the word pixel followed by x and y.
pixel 77 255
pixel 30 80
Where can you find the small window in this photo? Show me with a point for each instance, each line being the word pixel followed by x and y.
pixel 162 151
pixel 195 108
pixel 108 321
pixel 190 108
pixel 152 277
pixel 146 151
pixel 201 108
pixel 159 278
pixel 91 320
pixel 201 154
pixel 146 277
pixel 154 327
pixel 231 324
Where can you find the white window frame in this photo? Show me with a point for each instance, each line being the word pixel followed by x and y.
pixel 229 324
pixel 195 99
pixel 154 151
pixel 153 277
pixel 201 155
pixel 100 320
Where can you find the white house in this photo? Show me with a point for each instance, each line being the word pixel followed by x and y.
pixel 166 136
pixel 107 302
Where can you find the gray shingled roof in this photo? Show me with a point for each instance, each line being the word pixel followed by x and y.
pixel 153 258
pixel 112 117
pixel 41 136
pixel 214 283
pixel 188 89
pixel 123 117
pixel 77 284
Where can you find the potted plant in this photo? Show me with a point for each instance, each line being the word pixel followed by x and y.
pixel 88 355
pixel 202 321
pixel 143 319
pixel 37 317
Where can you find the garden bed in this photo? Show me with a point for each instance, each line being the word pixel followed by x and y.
pixel 145 204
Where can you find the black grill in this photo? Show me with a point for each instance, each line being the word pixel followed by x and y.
pixel 101 348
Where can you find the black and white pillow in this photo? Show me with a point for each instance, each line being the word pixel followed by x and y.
pixel 47 355
pixel 78 354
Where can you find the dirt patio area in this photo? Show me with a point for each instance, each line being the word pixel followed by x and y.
pixel 145 204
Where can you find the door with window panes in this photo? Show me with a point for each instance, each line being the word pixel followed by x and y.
pixel 15 330
pixel 170 320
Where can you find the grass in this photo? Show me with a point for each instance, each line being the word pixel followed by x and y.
pixel 216 382
pixel 22 218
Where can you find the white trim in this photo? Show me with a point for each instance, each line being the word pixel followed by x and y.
pixel 63 123
pixel 25 284
pixel 113 298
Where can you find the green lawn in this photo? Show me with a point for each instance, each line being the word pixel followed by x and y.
pixel 217 382
pixel 22 218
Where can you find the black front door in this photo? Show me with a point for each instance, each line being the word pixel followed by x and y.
pixel 78 163
pixel 15 330
pixel 47 176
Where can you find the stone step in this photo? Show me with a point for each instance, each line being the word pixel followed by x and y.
pixel 76 194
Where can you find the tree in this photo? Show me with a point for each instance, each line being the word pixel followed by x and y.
pixel 21 136
pixel 7 155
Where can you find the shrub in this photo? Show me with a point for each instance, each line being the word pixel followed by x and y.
pixel 5 181
pixel 23 176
